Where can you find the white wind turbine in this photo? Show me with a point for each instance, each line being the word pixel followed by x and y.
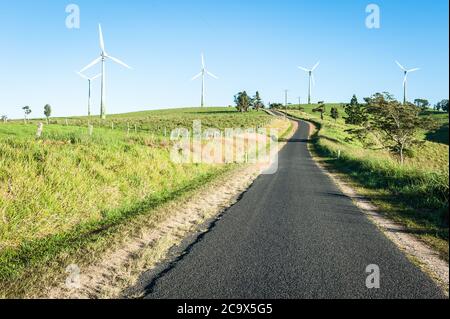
pixel 89 90
pixel 311 79
pixel 102 59
pixel 405 80
pixel 202 74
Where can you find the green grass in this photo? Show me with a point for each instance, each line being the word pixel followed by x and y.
pixel 415 194
pixel 440 135
pixel 161 122
pixel 69 190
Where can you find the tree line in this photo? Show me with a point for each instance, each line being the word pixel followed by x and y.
pixel 245 103
pixel 27 111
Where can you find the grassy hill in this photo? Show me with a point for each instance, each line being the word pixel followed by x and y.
pixel 441 135
pixel 159 122
pixel 68 190
pixel 415 194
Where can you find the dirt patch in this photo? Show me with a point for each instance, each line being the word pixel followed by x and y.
pixel 144 249
pixel 417 251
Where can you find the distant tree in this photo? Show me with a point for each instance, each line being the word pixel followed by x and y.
pixel 423 104
pixel 356 112
pixel 47 112
pixel 27 111
pixel 243 101
pixel 4 118
pixel 445 106
pixel 396 124
pixel 321 109
pixel 276 106
pixel 442 105
pixel 334 113
pixel 257 102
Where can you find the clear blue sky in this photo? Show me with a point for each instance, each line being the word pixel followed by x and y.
pixel 251 45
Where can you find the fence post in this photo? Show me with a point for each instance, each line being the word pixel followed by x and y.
pixel 39 130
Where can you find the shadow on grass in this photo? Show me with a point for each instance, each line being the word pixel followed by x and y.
pixel 441 135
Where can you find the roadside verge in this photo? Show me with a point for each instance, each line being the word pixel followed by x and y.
pixel 148 239
pixel 425 257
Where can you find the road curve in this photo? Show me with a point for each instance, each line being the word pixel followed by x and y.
pixel 293 234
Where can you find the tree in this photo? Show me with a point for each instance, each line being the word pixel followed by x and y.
pixel 321 109
pixel 27 111
pixel 47 111
pixel 257 102
pixel 243 101
pixel 334 113
pixel 423 104
pixel 396 124
pixel 442 105
pixel 276 106
pixel 356 113
pixel 4 118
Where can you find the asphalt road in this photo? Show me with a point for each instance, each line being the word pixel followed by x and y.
pixel 292 235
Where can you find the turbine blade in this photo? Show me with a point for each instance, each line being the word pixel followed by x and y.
pixel 414 70
pixel 210 74
pixel 100 33
pixel 401 66
pixel 315 66
pixel 304 69
pixel 405 79
pixel 313 80
pixel 197 76
pixel 82 75
pixel 203 60
pixel 91 64
pixel 97 76
pixel 119 62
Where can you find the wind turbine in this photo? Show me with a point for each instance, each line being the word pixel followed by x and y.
pixel 202 74
pixel 311 78
pixel 405 80
pixel 102 59
pixel 89 91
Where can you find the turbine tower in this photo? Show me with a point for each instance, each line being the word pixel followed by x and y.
pixel 89 90
pixel 405 80
pixel 103 57
pixel 311 79
pixel 202 74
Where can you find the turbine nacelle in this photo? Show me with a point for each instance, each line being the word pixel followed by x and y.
pixel 203 72
pixel 101 59
pixel 405 79
pixel 312 81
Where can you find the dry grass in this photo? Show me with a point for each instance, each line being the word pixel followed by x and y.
pixel 65 197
